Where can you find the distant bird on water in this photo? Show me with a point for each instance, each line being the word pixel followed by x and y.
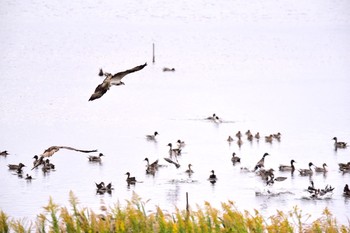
pixel 16 166
pixel 95 158
pixel 152 137
pixel 339 144
pixel 4 153
pixel 110 80
pixel 287 167
pixel 261 162
pixel 130 179
pixel 212 178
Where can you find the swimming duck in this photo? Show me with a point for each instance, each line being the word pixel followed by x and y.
pixel 19 170
pixel 212 177
pixel 344 166
pixel 102 188
pixel 48 166
pixel 151 168
pixel 129 179
pixel 175 151
pixel 235 159
pixel 4 153
pixel 257 135
pixel 16 166
pixel 311 188
pixel 287 167
pixel 321 169
pixel 110 80
pixel 28 177
pixel 239 134
pixel 94 158
pixel 339 144
pixel 215 118
pixel 229 139
pixel 180 144
pixel 307 172
pixel 100 185
pixel 266 173
pixel 53 149
pixel 189 170
pixel 277 136
pixel 152 137
pixel 248 132
pixel 346 191
pixel 250 137
pixel 269 138
pixel 166 69
pixel 261 162
pixel 38 161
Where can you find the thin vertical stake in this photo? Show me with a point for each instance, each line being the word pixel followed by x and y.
pixel 187 206
pixel 154 58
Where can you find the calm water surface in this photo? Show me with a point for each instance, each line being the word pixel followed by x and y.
pixel 272 66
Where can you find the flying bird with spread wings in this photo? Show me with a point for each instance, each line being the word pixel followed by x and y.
pixel 52 150
pixel 110 80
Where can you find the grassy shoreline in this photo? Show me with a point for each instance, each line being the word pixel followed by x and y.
pixel 133 218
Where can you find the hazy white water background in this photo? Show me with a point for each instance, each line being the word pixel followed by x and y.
pixel 267 66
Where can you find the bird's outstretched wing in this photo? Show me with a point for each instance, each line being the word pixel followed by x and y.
pixel 53 149
pixel 115 80
pixel 173 162
pixel 71 148
pixel 100 90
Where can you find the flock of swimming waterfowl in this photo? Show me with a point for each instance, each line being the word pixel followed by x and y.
pixel 259 169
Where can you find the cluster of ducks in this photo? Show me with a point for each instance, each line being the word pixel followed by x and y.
pixel 267 175
pixel 45 163
pixel 317 193
pixel 250 137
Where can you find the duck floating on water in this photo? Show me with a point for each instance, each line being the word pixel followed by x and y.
pixel 102 188
pixel 94 158
pixel 151 168
pixel 337 144
pixel 307 172
pixel 110 80
pixel 173 151
pixel 321 169
pixel 180 143
pixel 287 167
pixel 130 179
pixel 167 69
pixel 261 162
pixel 235 159
pixel 344 167
pixel 215 118
pixel 212 177
pixel 152 137
pixel 4 153
pixel 16 166
pixel 28 177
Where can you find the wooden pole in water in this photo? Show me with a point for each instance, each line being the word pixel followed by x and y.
pixel 154 58
pixel 187 206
